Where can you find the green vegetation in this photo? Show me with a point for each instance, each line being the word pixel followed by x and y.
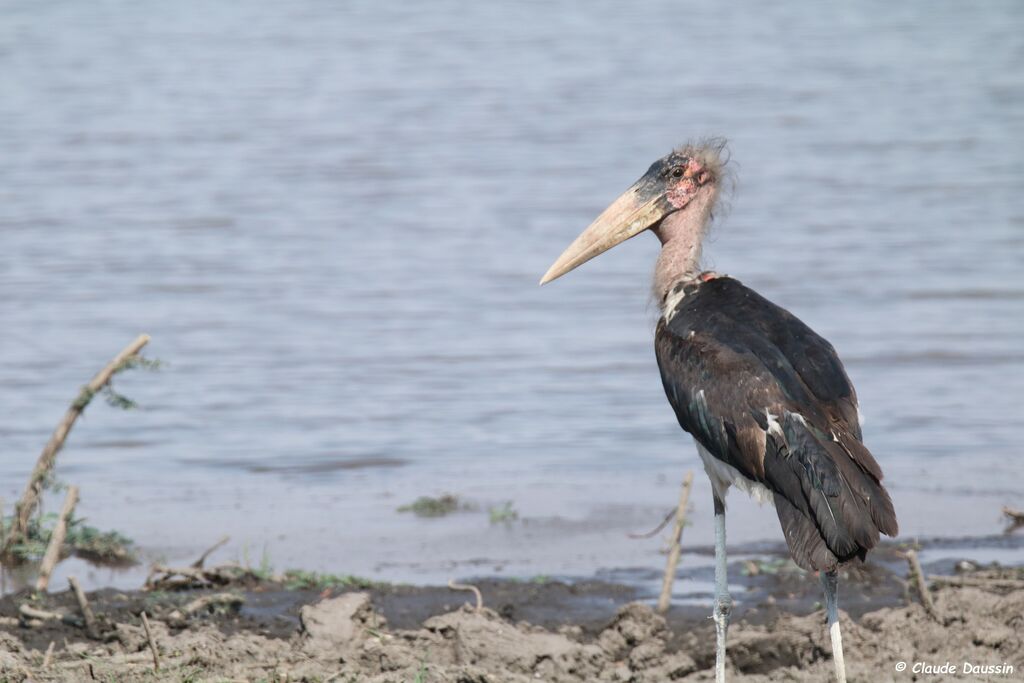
pixel 299 579
pixel 87 542
pixel 774 566
pixel 503 514
pixel 111 395
pixel 90 543
pixel 425 506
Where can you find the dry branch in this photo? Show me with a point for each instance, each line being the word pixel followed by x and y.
pixel 1015 518
pixel 60 532
pixel 1014 515
pixel 467 587
pixel 152 643
pixel 28 614
pixel 91 627
pixel 198 564
pixel 919 582
pixel 44 465
pixel 214 600
pixel 676 548
pixel 186 578
pixel 48 657
pixel 654 532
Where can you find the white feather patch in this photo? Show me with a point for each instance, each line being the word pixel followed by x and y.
pixel 724 475
pixel 668 309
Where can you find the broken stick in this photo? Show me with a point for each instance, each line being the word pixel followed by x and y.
pixel 215 600
pixel 91 628
pixel 198 564
pixel 1015 517
pixel 922 588
pixel 467 587
pixel 152 643
pixel 28 613
pixel 676 549
pixel 44 465
pixel 60 532
pixel 48 657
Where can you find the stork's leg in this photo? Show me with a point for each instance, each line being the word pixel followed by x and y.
pixel 723 603
pixel 830 581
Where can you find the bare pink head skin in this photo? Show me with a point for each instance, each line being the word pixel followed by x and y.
pixel 674 200
pixel 682 232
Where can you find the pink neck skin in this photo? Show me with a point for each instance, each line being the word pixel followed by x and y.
pixel 681 234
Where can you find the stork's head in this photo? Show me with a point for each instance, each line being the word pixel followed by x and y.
pixel 684 184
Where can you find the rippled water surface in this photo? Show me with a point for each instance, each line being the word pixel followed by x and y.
pixel 332 217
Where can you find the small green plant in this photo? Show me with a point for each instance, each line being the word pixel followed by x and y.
pixel 503 514
pixel 300 579
pixel 264 571
pixel 425 506
pixel 421 675
pixel 87 542
pixel 113 398
pixel 779 565
pixel 109 547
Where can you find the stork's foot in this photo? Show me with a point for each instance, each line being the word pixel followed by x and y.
pixel 721 614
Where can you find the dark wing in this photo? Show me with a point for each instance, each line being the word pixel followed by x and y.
pixel 765 394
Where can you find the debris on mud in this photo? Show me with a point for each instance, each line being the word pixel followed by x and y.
pixel 219 636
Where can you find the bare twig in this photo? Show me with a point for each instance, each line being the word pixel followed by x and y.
pixel 214 600
pixel 180 578
pixel 661 525
pixel 152 643
pixel 154 579
pixel 60 531
pixel 919 582
pixel 466 587
pixel 44 465
pixel 29 612
pixel 676 548
pixel 48 657
pixel 198 564
pixel 1015 517
pixel 91 628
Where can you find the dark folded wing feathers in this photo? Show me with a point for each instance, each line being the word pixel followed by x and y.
pixel 729 358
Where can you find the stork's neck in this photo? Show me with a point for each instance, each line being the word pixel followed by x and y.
pixel 681 234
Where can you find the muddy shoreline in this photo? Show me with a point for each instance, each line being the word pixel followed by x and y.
pixel 528 630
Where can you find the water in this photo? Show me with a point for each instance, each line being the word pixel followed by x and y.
pixel 332 217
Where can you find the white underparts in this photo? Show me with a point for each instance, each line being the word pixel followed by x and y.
pixel 724 475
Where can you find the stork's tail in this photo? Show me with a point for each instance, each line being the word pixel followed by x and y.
pixel 829 495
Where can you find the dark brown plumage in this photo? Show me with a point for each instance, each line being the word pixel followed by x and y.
pixel 762 392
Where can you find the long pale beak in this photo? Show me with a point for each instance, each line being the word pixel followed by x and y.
pixel 636 210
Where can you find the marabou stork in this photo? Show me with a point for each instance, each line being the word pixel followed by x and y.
pixel 766 399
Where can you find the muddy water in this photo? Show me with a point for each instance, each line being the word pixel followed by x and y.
pixel 332 218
